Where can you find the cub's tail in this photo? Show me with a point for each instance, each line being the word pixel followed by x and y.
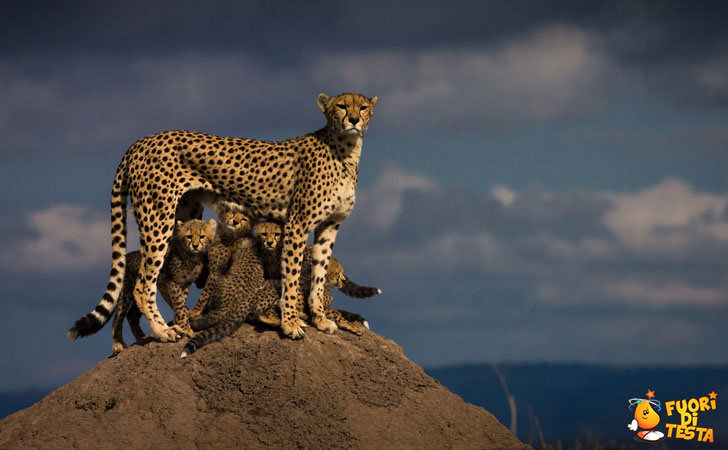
pixel 214 334
pixel 96 319
pixel 354 290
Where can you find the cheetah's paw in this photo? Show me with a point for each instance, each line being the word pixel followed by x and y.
pixel 325 325
pixel 293 332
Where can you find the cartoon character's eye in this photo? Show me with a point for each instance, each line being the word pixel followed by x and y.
pixel 341 106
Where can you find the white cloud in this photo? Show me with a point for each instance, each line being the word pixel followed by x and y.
pixel 68 238
pixel 555 72
pixel 668 216
pixel 634 290
pixel 634 249
pixel 642 293
pixel 504 194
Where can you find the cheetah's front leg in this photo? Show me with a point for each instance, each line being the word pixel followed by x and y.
pixel 323 245
pixel 145 298
pixel 294 241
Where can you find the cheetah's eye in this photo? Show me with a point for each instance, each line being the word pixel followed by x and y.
pixel 203 237
pixel 278 234
pixel 363 107
pixel 189 237
pixel 341 106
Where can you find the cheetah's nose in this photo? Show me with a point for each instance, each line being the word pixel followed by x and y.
pixel 353 120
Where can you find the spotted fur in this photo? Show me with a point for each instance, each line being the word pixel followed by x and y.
pixel 183 264
pixel 233 233
pixel 234 293
pixel 268 237
pixel 308 182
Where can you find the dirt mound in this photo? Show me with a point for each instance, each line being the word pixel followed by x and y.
pixel 256 390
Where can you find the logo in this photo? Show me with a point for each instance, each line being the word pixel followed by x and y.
pixel 688 410
pixel 646 417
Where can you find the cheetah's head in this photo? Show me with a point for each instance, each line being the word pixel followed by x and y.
pixel 195 235
pixel 347 113
pixel 268 234
pixel 234 217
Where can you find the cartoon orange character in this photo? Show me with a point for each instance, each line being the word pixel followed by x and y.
pixel 646 417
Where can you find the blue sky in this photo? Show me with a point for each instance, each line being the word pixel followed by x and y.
pixel 538 183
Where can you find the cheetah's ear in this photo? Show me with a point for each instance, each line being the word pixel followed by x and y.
pixel 373 100
pixel 179 223
pixel 322 101
pixel 212 224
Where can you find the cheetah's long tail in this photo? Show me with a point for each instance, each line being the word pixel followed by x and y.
pixel 219 331
pixel 96 319
pixel 354 290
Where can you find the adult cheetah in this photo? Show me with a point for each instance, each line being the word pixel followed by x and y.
pixel 308 182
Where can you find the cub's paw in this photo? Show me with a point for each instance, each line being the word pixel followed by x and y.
pixel 187 332
pixel 194 313
pixel 117 347
pixel 351 327
pixel 167 334
pixel 325 325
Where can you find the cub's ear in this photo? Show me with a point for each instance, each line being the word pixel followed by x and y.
pixel 179 223
pixel 322 101
pixel 212 224
pixel 221 207
pixel 373 100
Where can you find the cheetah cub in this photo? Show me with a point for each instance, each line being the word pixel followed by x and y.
pixel 236 290
pixel 233 235
pixel 235 218
pixel 183 264
pixel 268 235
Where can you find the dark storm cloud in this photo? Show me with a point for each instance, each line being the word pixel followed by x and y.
pixel 642 31
pixel 86 76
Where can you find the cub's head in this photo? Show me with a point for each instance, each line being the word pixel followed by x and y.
pixel 195 235
pixel 268 234
pixel 347 113
pixel 234 217
pixel 335 274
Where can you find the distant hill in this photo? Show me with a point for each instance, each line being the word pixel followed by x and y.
pixel 586 402
pixel 256 389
